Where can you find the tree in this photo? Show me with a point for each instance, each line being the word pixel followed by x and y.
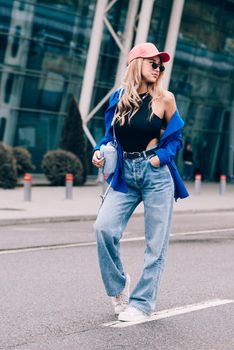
pixel 73 137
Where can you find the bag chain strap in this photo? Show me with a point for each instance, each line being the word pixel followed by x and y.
pixel 114 136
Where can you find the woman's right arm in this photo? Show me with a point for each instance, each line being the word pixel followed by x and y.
pixel 98 160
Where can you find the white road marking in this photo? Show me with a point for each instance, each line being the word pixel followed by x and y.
pixel 172 312
pixel 230 229
pixel 89 244
pixel 50 247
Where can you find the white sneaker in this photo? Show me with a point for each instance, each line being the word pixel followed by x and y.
pixel 120 302
pixel 132 314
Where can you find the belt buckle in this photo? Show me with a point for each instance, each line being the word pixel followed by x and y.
pixel 138 154
pixel 132 155
pixel 135 154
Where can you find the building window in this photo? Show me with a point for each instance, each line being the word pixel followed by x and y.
pixel 27 136
pixel 21 6
pixel 8 87
pixel 202 81
pixel 2 127
pixel 16 41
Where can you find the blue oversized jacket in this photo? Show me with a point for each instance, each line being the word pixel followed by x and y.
pixel 170 143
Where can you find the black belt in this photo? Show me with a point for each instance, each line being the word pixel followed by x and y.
pixel 134 155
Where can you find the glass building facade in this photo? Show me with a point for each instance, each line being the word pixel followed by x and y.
pixel 44 46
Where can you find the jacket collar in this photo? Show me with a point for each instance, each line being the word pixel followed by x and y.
pixel 114 99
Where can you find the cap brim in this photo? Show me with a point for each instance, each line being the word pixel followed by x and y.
pixel 165 57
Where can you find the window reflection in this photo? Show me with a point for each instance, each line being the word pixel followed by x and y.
pixel 202 77
pixel 202 81
pixel 2 127
pixel 16 41
pixel 8 87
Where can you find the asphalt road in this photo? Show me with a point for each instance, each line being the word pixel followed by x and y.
pixel 51 294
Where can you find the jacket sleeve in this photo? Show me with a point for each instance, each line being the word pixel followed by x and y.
pixel 108 119
pixel 168 151
pixel 108 136
pixel 104 140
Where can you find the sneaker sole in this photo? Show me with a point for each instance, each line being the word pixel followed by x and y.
pixel 133 319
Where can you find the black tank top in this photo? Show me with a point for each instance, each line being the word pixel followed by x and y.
pixel 135 136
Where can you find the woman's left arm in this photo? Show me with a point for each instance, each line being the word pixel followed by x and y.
pixel 167 153
pixel 169 106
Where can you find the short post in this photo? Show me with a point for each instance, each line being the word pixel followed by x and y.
pixel 69 186
pixel 222 184
pixel 27 187
pixel 197 188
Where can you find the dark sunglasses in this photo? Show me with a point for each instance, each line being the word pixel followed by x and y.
pixel 156 65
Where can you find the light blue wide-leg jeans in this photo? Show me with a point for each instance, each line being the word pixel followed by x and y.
pixel 154 186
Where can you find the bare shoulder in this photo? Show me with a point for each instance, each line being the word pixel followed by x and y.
pixel 169 97
pixel 170 104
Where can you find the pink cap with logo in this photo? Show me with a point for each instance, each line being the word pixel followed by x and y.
pixel 147 50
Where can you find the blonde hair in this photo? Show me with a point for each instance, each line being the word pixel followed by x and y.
pixel 130 101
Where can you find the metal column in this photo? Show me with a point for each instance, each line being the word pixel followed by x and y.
pixel 172 35
pixel 144 21
pixel 124 43
pixel 128 36
pixel 91 64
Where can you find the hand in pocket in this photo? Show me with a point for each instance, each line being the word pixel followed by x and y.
pixel 155 161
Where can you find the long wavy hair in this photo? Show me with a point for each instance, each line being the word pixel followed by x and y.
pixel 130 101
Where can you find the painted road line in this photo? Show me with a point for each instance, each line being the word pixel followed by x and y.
pixel 172 312
pixel 50 247
pixel 62 246
pixel 201 232
pixel 89 244
pixel 229 229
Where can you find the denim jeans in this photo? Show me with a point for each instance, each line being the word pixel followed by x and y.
pixel 154 186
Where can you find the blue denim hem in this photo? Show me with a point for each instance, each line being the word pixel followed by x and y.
pixel 116 294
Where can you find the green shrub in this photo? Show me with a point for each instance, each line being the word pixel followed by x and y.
pixel 23 160
pixel 8 169
pixel 56 164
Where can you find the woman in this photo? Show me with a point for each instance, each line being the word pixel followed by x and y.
pixel 145 171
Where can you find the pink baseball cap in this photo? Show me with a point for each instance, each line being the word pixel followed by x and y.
pixel 147 50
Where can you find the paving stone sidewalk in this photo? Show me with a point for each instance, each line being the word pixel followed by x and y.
pixel 48 203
